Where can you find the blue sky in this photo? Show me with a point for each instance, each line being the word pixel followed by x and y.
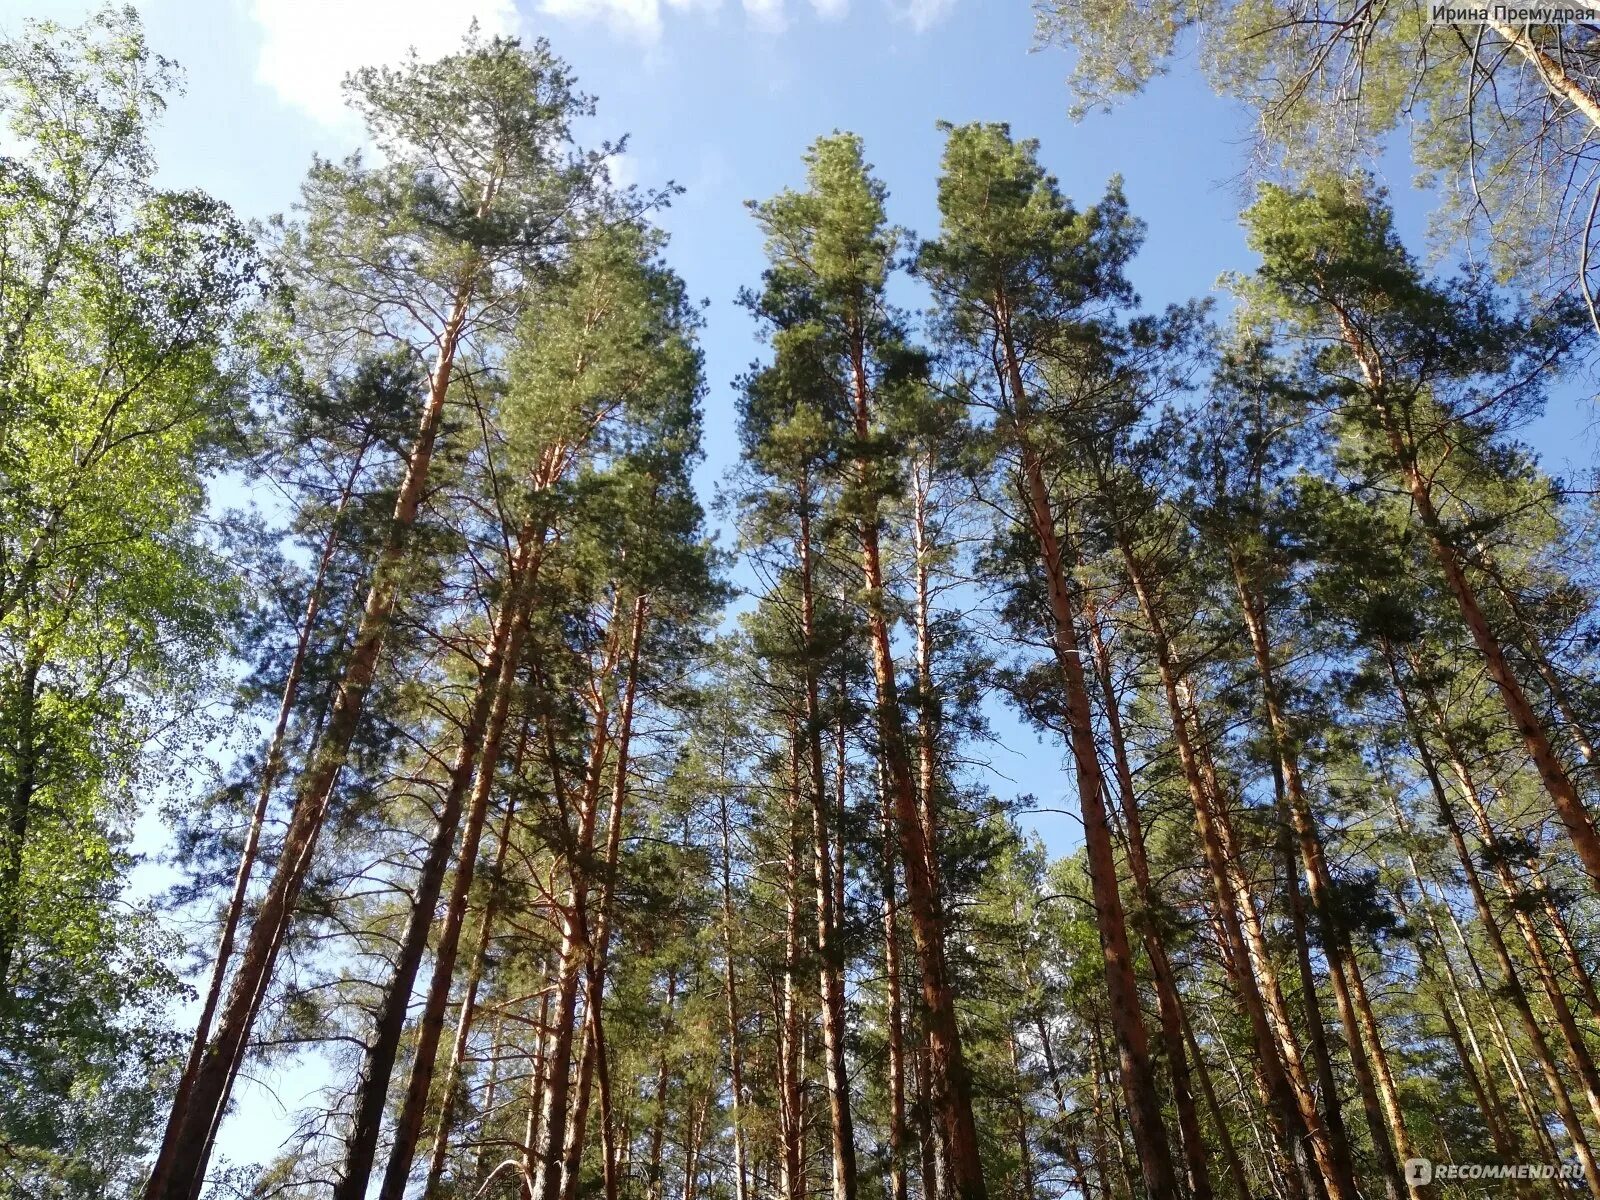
pixel 723 96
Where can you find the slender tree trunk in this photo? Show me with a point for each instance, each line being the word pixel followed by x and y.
pixel 1024 1148
pixel 19 812
pixel 1344 971
pixel 730 992
pixel 1568 804
pixel 1512 989
pixel 1293 1105
pixel 790 1058
pixel 1122 993
pixel 383 1048
pixel 830 954
pixel 893 1018
pixel 1561 85
pixel 595 975
pixel 1230 1155
pixel 271 771
pixel 536 1078
pixel 1533 647
pixel 1169 1004
pixel 1563 935
pixel 408 1124
pixel 1276 1164
pixel 189 1150
pixel 1494 1113
pixel 468 1008
pixel 1578 1056
pixel 933 1182
pixel 575 951
pixel 654 1182
pixel 952 1086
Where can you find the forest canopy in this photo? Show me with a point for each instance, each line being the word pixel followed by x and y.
pixel 585 830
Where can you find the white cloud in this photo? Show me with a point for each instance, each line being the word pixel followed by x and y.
pixel 638 18
pixel 309 46
pixel 923 15
pixel 766 15
pixel 643 19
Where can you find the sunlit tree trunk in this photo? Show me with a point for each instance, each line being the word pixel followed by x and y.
pixel 1512 987
pixel 186 1152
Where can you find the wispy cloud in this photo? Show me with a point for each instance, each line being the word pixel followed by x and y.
pixel 637 18
pixel 922 15
pixel 766 15
pixel 644 18
pixel 309 46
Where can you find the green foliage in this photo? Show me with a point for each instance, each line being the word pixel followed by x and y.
pixel 122 339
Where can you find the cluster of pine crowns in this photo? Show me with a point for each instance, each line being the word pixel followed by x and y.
pixel 584 856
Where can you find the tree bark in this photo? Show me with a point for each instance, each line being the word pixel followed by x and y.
pixel 1563 794
pixel 271 770
pixel 1169 1004
pixel 1344 971
pixel 1512 988
pixel 187 1151
pixel 830 955
pixel 952 1086
pixel 408 1124
pixel 1122 993
pixel 1294 1108
pixel 383 1048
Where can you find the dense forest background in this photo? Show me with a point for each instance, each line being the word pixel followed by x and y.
pixel 583 830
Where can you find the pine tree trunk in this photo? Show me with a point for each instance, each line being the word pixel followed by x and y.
pixel 271 770
pixel 951 1085
pixel 383 1047
pixel 893 1018
pixel 730 992
pixel 1276 1164
pixel 1343 970
pixel 1122 993
pixel 595 973
pixel 187 1151
pixel 654 1182
pixel 575 952
pixel 933 1183
pixel 1019 1102
pixel 469 1001
pixel 1512 989
pixel 830 953
pixel 1568 804
pixel 1230 1155
pixel 1294 1108
pixel 1578 1055
pixel 1169 1004
pixel 430 1026
pixel 790 1059
pixel 1494 1113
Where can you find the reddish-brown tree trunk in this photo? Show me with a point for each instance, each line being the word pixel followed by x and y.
pixel 830 954
pixel 1343 971
pixel 1512 988
pixel 430 1026
pixel 187 1150
pixel 595 975
pixel 1293 1105
pixel 951 1085
pixel 1568 804
pixel 1169 1004
pixel 893 1017
pixel 271 770
pixel 1122 993
pixel 383 1048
